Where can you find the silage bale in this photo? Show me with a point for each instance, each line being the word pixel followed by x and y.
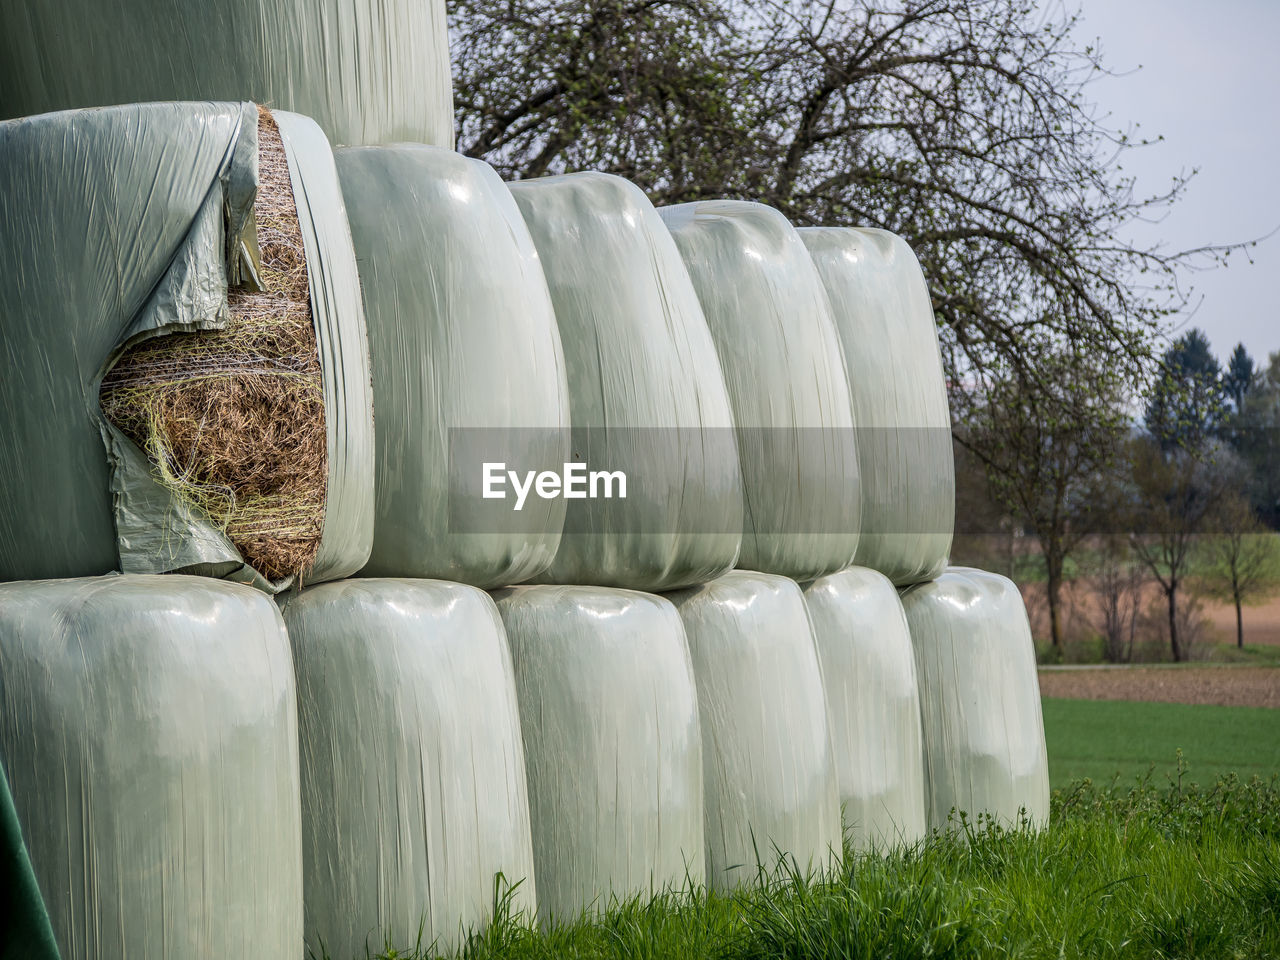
pixel 466 360
pixel 612 744
pixel 645 390
pixel 784 370
pixel 769 777
pixel 368 72
pixel 984 744
pixel 148 731
pixel 882 307
pixel 251 420
pixel 873 703
pixel 413 780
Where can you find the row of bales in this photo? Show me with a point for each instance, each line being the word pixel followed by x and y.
pixel 276 675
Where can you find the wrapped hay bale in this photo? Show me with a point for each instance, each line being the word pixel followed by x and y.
pixel 873 704
pixel 239 443
pixel 148 731
pixel 769 779
pixel 784 370
pixel 882 308
pixel 646 395
pixel 612 747
pixel 467 366
pixel 413 780
pixel 368 72
pixel 984 745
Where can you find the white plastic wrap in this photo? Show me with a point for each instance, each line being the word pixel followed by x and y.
pixel 413 781
pixel 980 698
pixel 148 730
pixel 881 306
pixel 368 71
pixel 612 746
pixel 769 778
pixel 783 367
pixel 873 702
pixel 646 394
pixel 466 355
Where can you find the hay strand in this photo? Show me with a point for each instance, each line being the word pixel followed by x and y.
pixel 233 420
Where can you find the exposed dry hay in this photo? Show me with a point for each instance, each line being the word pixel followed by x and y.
pixel 233 420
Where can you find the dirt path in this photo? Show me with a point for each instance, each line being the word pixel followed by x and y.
pixel 1226 685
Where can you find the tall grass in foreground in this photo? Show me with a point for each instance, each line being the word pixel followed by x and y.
pixel 1146 871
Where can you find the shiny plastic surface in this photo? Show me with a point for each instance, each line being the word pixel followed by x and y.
pixel 612 744
pixel 873 703
pixel 785 373
pixel 369 71
pixel 148 729
pixel 464 339
pixel 645 382
pixel 881 306
pixel 124 223
pixel 980 698
pixel 769 776
pixel 413 780
pixel 338 317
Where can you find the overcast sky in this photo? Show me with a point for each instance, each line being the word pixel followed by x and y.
pixel 1210 83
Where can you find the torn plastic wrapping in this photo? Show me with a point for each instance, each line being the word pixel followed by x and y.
pixel 980 699
pixel 465 353
pixel 881 305
pixel 130 222
pixel 148 730
pixel 612 744
pixel 413 779
pixel 769 777
pixel 368 72
pixel 646 393
pixel 785 374
pixel 873 703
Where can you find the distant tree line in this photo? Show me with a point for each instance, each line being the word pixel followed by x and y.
pixel 1187 498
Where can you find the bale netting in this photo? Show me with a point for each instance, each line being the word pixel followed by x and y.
pixel 233 420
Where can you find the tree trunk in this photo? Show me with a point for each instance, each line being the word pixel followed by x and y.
pixel 1172 594
pixel 1053 564
pixel 1239 624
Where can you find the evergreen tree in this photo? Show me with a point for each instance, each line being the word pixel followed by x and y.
pixel 1186 405
pixel 1239 377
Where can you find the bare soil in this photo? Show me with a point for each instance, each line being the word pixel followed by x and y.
pixel 1081 615
pixel 1225 685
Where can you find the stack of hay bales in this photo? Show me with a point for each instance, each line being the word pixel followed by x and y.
pixel 982 754
pixel 187 277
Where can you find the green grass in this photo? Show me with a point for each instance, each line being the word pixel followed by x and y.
pixel 1145 871
pixel 1103 739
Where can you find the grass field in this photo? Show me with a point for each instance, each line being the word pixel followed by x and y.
pixel 1101 738
pixel 1142 872
pixel 1150 866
